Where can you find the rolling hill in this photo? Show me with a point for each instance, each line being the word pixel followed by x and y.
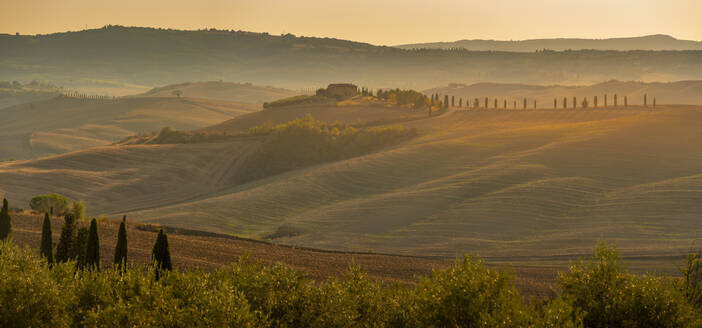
pixel 62 124
pixel 225 91
pixel 681 92
pixel 147 56
pixel 538 185
pixel 649 42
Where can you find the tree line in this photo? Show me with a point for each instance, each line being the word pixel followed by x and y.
pixel 81 245
pixel 486 103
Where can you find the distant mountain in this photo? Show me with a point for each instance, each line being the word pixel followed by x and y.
pixel 681 92
pixel 150 57
pixel 650 42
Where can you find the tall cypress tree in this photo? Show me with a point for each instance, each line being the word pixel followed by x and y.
pixel 47 249
pixel 161 253
pixel 5 221
pixel 121 248
pixel 92 249
pixel 79 247
pixel 68 235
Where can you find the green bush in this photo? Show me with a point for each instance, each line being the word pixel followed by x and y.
pixel 467 295
pixel 249 294
pixel 612 297
pixel 52 203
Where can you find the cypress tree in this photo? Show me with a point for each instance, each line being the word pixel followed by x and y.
pixel 565 102
pixel 555 103
pixel 121 248
pixel 5 221
pixel 92 249
pixel 47 250
pixel 505 104
pixel 486 103
pixel 161 253
pixel 68 235
pixel 495 103
pixel 79 247
pixel 525 103
pixel 615 100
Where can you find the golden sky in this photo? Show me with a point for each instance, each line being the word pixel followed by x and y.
pixel 387 22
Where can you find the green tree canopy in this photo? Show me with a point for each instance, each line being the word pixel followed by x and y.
pixel 54 204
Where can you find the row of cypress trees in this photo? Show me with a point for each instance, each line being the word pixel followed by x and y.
pixel 83 244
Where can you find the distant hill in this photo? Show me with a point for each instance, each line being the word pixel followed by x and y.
pixel 227 91
pixel 11 97
pixel 681 92
pixel 147 56
pixel 650 42
pixel 62 124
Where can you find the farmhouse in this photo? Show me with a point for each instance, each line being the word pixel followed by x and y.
pixel 342 90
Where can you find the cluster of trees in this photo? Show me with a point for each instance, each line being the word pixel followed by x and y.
pixel 307 141
pixel 56 204
pixel 593 293
pixel 405 97
pixel 34 84
pixel 11 85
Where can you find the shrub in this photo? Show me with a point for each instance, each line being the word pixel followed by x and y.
pixel 467 295
pixel 611 297
pixel 53 204
pixel 78 209
pixel 31 295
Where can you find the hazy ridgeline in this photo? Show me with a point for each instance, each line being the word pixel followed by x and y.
pixel 172 56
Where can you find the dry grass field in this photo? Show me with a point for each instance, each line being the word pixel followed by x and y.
pixel 535 187
pixel 63 124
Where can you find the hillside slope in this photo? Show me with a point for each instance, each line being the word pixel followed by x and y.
pixel 536 183
pixel 359 110
pixel 63 124
pixel 226 91
pixel 680 92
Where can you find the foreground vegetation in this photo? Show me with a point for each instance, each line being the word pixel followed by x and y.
pixel 596 293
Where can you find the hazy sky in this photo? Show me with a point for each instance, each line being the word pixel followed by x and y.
pixel 386 22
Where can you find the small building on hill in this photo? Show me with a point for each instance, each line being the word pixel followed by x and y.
pixel 342 90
